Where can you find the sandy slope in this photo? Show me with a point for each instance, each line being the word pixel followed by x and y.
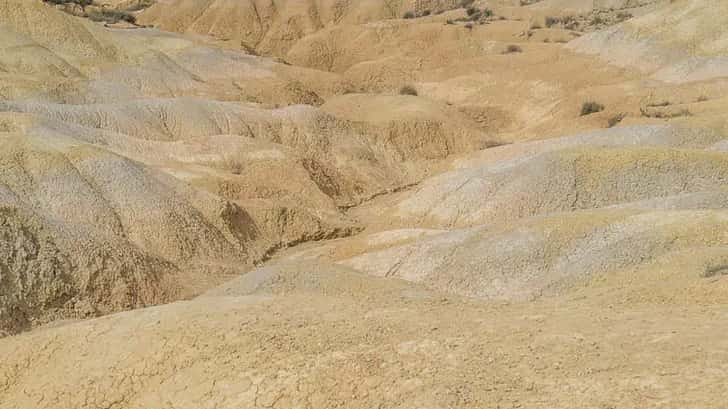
pixel 681 42
pixel 404 352
pixel 319 240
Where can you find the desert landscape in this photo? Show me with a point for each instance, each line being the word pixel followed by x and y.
pixel 430 204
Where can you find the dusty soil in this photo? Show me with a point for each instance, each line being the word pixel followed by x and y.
pixel 375 204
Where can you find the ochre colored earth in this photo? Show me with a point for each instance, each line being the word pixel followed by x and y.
pixel 230 204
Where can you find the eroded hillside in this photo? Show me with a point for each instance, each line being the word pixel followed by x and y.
pixel 383 203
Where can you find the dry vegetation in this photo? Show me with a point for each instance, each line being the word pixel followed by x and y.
pixel 102 12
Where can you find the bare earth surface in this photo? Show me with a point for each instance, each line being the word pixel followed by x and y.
pixel 323 204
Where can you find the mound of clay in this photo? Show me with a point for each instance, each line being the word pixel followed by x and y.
pixel 90 230
pixel 563 181
pixel 682 42
pixel 372 163
pixel 544 256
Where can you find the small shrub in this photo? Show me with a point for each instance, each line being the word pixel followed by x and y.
pixel 513 49
pixel 469 26
pixel 568 22
pixel 409 15
pixel 233 164
pixel 616 119
pixel 552 21
pixel 623 15
pixel 591 107
pixel 80 3
pixel 236 168
pixel 111 16
pixel 425 13
pixel 702 98
pixel 408 90
pixel 471 10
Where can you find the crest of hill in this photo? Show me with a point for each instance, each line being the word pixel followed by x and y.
pixel 272 27
pixel 77 41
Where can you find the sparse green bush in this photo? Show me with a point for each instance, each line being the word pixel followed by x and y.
pixel 409 15
pixel 408 90
pixel 591 107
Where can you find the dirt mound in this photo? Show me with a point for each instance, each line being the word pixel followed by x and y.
pixel 415 127
pixel 318 279
pixel 563 181
pixel 74 40
pixel 543 256
pixel 272 27
pixel 371 163
pixel 585 171
pixel 681 42
pixel 97 232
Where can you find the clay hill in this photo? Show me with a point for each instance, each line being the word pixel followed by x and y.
pixel 363 204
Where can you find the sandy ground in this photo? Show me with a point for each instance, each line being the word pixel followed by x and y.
pixel 321 204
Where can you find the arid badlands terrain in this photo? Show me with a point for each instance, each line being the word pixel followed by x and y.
pixel 425 204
